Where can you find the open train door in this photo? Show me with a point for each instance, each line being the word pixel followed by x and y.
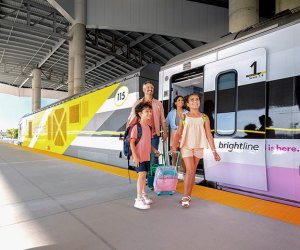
pixel 184 83
pixel 235 102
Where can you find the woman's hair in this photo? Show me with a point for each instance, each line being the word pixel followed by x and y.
pixel 140 107
pixel 175 100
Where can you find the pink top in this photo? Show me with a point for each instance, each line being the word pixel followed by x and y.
pixel 158 117
pixel 193 134
pixel 143 148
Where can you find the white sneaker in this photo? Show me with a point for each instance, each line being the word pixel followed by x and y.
pixel 147 199
pixel 140 204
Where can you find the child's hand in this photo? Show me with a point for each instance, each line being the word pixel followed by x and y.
pixel 136 161
pixel 157 153
pixel 216 156
pixel 173 150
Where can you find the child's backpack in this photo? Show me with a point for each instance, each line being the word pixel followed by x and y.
pixel 126 144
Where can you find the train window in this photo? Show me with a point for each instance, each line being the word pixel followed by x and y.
pixel 85 109
pixel 226 90
pixel 49 123
pixel 252 121
pixel 284 106
pixel 74 114
pixel 296 111
pixel 30 129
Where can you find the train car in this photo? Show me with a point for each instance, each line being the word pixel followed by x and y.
pixel 88 125
pixel 250 87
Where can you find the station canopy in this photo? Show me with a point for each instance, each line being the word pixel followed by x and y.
pixel 33 34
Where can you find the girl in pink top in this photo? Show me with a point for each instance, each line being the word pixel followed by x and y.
pixel 141 153
pixel 195 135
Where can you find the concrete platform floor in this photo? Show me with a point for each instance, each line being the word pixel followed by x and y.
pixel 48 203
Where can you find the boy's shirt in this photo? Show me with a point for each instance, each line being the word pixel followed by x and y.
pixel 158 117
pixel 143 148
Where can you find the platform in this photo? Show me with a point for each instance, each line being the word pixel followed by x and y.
pixel 55 202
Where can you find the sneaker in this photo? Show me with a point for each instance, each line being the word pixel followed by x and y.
pixel 147 199
pixel 140 204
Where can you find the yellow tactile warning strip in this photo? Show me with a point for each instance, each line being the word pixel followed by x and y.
pixel 269 209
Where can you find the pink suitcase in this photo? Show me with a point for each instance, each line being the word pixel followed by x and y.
pixel 166 178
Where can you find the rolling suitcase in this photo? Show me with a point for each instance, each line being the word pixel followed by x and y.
pixel 166 178
pixel 151 173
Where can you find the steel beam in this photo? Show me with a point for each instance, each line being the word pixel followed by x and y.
pixel 53 49
pixel 31 28
pixel 119 51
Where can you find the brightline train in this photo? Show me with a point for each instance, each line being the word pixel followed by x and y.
pixel 250 87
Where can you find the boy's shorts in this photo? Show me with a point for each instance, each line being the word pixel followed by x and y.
pixel 196 152
pixel 144 166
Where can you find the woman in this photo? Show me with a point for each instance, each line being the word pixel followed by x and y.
pixel 173 119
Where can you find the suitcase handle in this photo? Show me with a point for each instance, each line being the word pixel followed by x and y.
pixel 162 159
pixel 167 159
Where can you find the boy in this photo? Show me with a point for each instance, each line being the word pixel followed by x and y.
pixel 141 152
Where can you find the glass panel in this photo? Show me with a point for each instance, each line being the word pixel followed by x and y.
pixel 50 131
pixel 296 110
pixel 30 129
pixel 251 118
pixel 74 114
pixel 281 94
pixel 226 103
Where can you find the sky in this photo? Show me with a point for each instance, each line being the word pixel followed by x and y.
pixel 12 108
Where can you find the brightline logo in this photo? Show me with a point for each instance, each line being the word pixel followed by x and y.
pixel 236 145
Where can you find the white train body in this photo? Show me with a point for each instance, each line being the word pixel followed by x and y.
pixel 251 92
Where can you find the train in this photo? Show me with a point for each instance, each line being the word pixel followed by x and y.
pixel 249 84
pixel 88 125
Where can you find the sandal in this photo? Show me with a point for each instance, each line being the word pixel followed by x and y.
pixel 185 202
pixel 189 198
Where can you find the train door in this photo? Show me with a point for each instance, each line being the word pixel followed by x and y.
pixel 184 83
pixel 282 136
pixel 234 89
